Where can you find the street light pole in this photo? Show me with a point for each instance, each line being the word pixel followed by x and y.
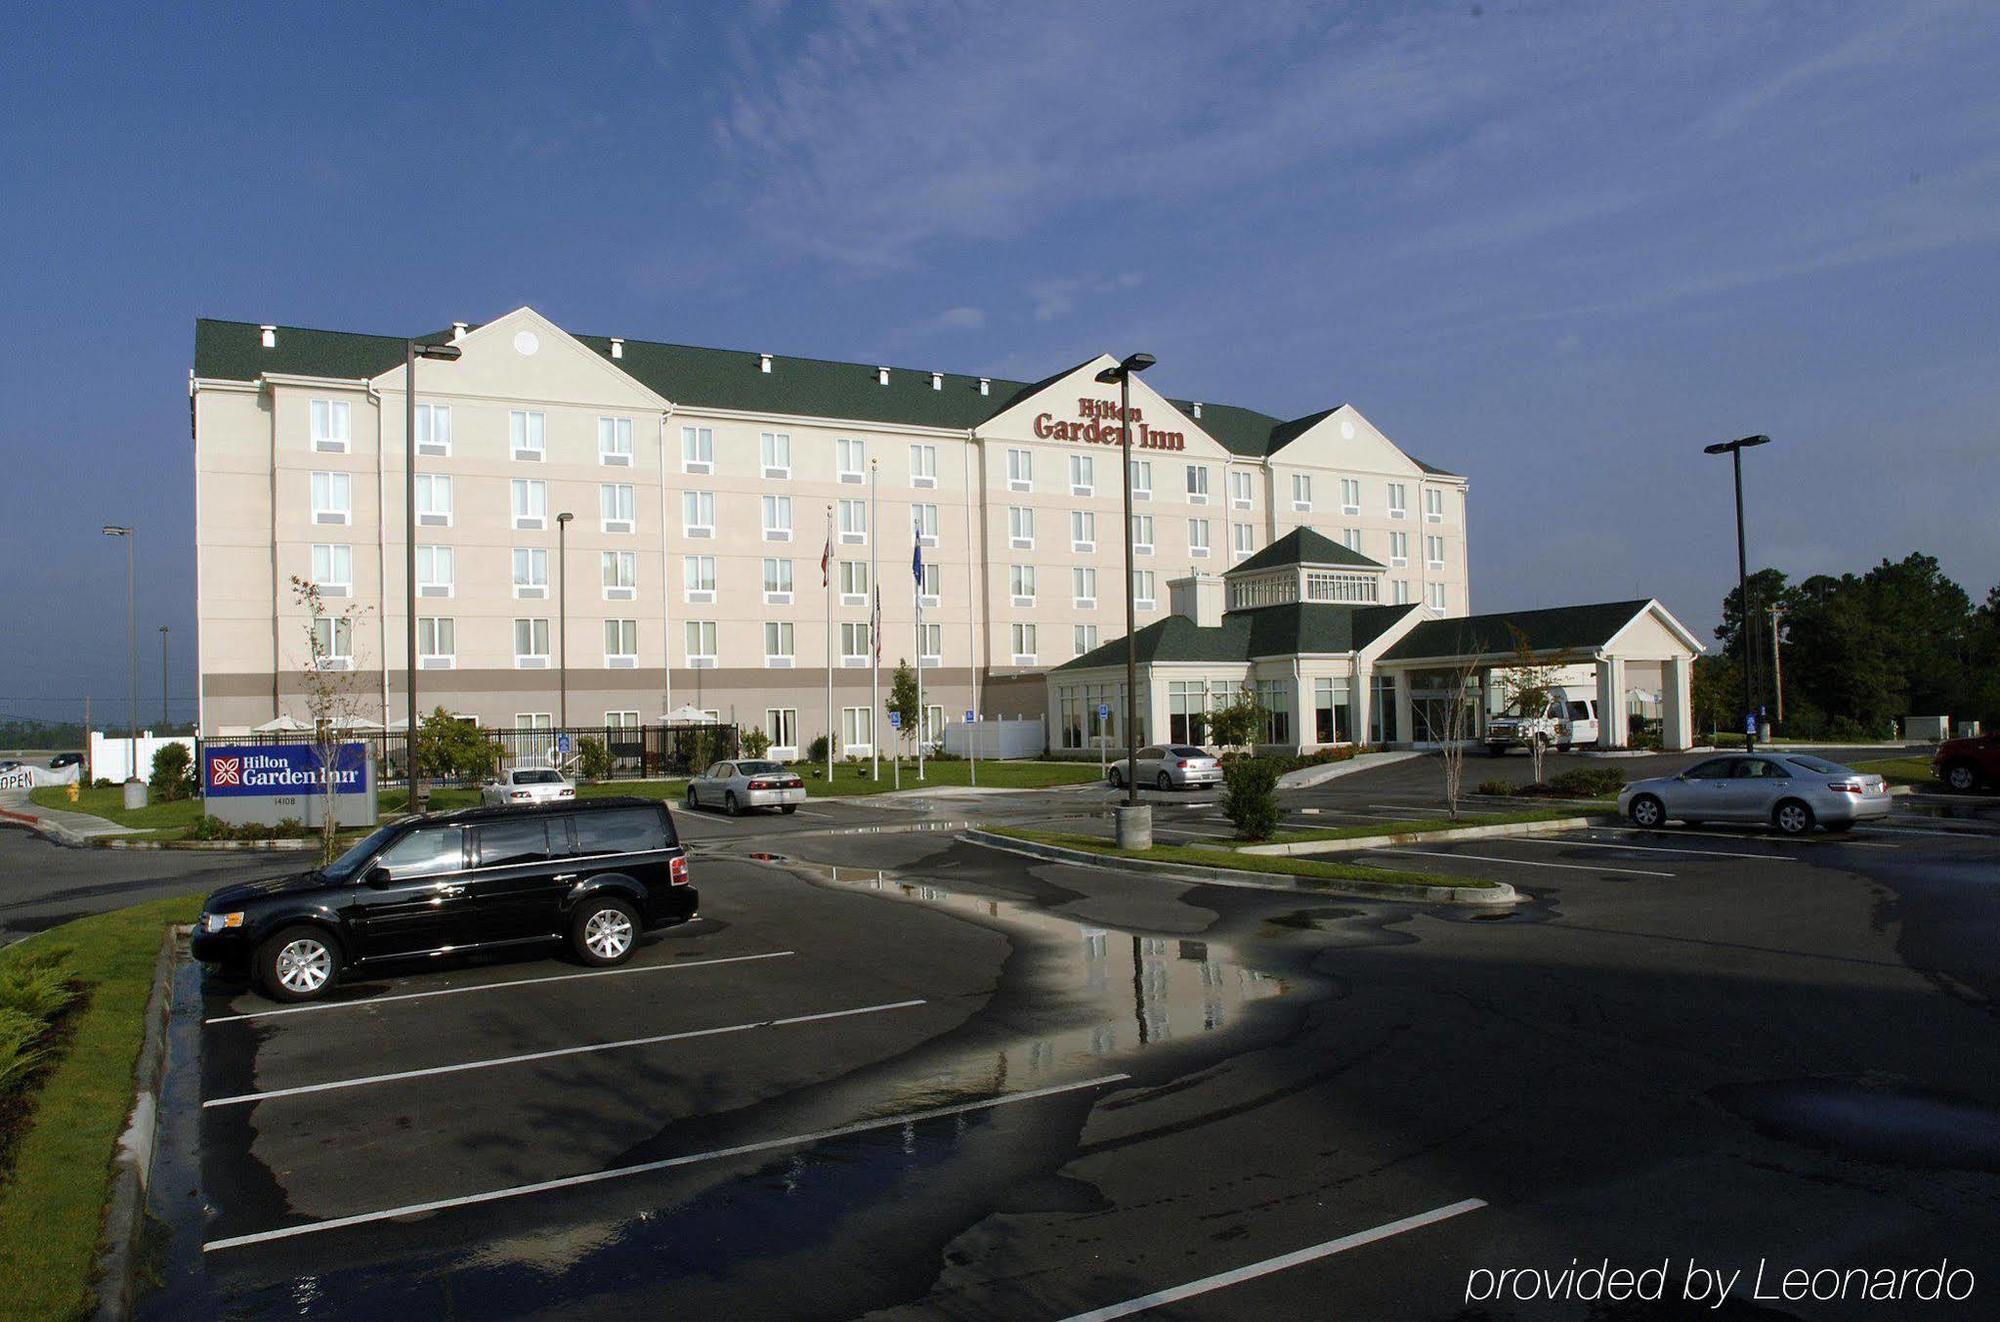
pixel 562 619
pixel 1777 666
pixel 131 646
pixel 418 798
pixel 163 677
pixel 1134 824
pixel 1745 628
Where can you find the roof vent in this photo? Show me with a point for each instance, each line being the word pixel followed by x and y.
pixel 937 380
pixel 617 347
pixel 1197 408
pixel 985 385
pixel 881 376
pixel 458 330
pixel 764 363
pixel 268 336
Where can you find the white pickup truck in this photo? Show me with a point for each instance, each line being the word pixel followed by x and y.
pixel 1567 719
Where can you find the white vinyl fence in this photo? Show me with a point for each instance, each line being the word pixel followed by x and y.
pixel 997 739
pixel 110 754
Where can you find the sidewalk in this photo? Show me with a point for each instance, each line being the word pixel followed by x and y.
pixel 1305 776
pixel 59 824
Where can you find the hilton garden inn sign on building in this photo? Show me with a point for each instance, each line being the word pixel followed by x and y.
pixel 725 504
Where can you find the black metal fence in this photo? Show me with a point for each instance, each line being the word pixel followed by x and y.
pixel 646 752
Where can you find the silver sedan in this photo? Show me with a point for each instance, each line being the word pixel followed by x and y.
pixel 1171 767
pixel 747 783
pixel 1791 791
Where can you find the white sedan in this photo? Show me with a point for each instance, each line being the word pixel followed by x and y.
pixel 526 785
pixel 748 783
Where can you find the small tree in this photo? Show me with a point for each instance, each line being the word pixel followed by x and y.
pixel 1238 723
pixel 332 700
pixel 173 773
pixel 816 750
pixel 755 742
pixel 903 700
pixel 1461 727
pixel 1250 796
pixel 451 748
pixel 1527 684
pixel 593 758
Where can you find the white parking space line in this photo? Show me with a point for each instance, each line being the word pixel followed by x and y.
pixel 1519 862
pixel 1650 849
pixel 1189 830
pixel 494 986
pixel 498 1061
pixel 1899 829
pixel 1677 832
pixel 1284 1262
pixel 623 1172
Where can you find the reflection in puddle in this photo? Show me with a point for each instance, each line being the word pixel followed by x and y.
pixel 1879 1124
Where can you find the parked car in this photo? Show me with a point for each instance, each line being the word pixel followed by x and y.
pixel 527 785
pixel 61 760
pixel 594 874
pixel 1791 791
pixel 10 764
pixel 1966 764
pixel 1170 767
pixel 747 783
pixel 1566 719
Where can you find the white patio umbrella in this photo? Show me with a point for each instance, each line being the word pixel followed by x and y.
pixel 688 714
pixel 283 725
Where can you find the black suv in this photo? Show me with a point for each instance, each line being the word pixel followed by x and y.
pixel 594 873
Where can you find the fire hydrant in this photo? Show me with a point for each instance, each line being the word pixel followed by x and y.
pixel 73 791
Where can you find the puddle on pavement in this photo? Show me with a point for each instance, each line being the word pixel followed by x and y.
pixel 1902 1127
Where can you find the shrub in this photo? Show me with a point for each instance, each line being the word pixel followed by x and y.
pixel 452 749
pixel 816 750
pixel 593 758
pixel 40 987
pixel 755 742
pixel 173 773
pixel 20 1049
pixel 208 827
pixel 1496 786
pixel 1588 782
pixel 1250 798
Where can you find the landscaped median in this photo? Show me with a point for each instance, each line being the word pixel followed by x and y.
pixel 1481 826
pixel 61 1117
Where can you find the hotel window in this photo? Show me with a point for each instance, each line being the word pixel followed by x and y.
pixel 1434 597
pixel 1302 491
pixel 533 721
pixel 1399 501
pixel 1351 538
pixel 621 644
pixel 698 578
pixel 620 572
pixel 1142 479
pixel 850 459
pixel 531 572
pixel 531 502
pixel 698 513
pixel 853 644
pixel 857 731
pixel 1197 484
pixel 1332 717
pixel 853 520
pixel 621 720
pixel 1021 584
pixel 854 582
pixel 437 642
pixel 1083 587
pixel 1142 589
pixel 923 465
pixel 782 725
pixel 1275 697
pixel 527 433
pixel 617 505
pixel 1020 470
pixel 331 420
pixel 1082 530
pixel 1082 475
pixel 437 568
pixel 927 591
pixel 1240 488
pixel 614 442
pixel 699 636
pixel 697 449
pixel 333 642
pixel 1020 527
pixel 1399 549
pixel 930 645
pixel 1401 590
pixel 777 582
pixel 333 569
pixel 926 519
pixel 1142 534
pixel 1187 711
pixel 1024 644
pixel 1434 552
pixel 778 644
pixel 1083 638
pixel 1198 537
pixel 777 518
pixel 433 500
pixel 332 498
pixel 531 644
pixel 434 430
pixel 1433 505
pixel 1350 495
pixel 1243 539
pixel 774 450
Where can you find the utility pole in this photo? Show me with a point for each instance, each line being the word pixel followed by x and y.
pixel 163 677
pixel 1777 667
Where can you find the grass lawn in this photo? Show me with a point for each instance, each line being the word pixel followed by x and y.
pixel 110 804
pixel 1424 824
pixel 1011 775
pixel 52 1201
pixel 1223 857
pixel 1903 771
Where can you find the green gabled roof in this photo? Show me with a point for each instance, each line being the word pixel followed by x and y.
pixel 234 351
pixel 1432 469
pixel 1574 628
pixel 1238 430
pixel 1243 635
pixel 1303 546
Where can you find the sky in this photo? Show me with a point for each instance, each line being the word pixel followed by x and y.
pixel 1557 248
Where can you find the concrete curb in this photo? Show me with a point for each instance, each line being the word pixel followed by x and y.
pixel 1363 843
pixel 1306 777
pixel 41 826
pixel 125 1213
pixel 1499 893
pixel 205 846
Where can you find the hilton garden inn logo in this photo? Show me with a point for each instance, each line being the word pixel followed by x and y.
pixel 282 769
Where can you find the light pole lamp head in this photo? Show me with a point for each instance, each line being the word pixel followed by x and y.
pixel 1744 443
pixel 1137 362
pixel 113 530
pixel 443 353
pixel 564 517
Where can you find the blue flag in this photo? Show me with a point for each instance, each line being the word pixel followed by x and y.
pixel 917 554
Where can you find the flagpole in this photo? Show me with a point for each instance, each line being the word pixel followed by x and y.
pixel 917 594
pixel 874 632
pixel 826 581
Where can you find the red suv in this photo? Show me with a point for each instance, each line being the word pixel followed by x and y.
pixel 1963 764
